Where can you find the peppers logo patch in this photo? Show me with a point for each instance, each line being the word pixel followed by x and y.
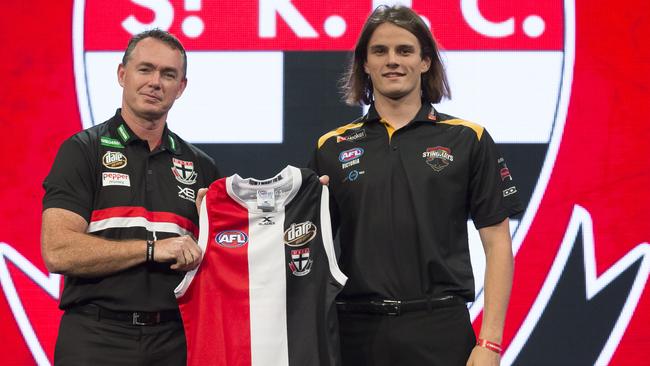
pixel 438 158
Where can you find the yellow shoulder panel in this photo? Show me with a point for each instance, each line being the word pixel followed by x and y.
pixel 478 129
pixel 337 132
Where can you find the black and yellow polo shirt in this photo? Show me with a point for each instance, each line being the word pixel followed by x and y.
pixel 401 200
pixel 108 176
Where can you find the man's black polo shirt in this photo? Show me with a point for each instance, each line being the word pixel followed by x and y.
pixel 402 200
pixel 108 176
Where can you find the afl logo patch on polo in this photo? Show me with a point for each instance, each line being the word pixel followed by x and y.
pixel 351 154
pixel 300 234
pixel 231 238
pixel 114 160
pixel 438 158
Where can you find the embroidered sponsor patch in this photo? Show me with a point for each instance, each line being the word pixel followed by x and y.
pixel 111 142
pixel 186 193
pixel 183 171
pixel 231 238
pixel 353 175
pixel 438 158
pixel 358 135
pixel 123 133
pixel 114 160
pixel 349 155
pixel 300 234
pixel 115 179
pixel 507 192
pixel 350 163
pixel 301 263
pixel 503 170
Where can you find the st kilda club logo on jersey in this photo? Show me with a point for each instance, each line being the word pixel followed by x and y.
pixel 183 171
pixel 301 263
pixel 300 234
pixel 438 158
pixel 231 238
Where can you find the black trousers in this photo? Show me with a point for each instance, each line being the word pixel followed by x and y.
pixel 441 337
pixel 84 340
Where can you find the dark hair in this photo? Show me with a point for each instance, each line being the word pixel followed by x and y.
pixel 356 84
pixel 160 35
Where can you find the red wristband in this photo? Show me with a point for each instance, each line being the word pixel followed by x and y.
pixel 494 347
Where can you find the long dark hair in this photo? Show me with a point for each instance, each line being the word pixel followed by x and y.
pixel 356 84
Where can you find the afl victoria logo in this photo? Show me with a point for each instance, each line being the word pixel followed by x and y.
pixel 300 234
pixel 231 238
pixel 351 154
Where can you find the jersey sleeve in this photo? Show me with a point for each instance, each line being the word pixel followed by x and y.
pixel 71 182
pixel 493 193
pixel 211 171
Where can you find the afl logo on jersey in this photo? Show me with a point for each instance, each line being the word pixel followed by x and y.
pixel 114 160
pixel 231 238
pixel 351 154
pixel 300 234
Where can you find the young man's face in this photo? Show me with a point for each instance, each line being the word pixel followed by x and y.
pixel 152 79
pixel 394 63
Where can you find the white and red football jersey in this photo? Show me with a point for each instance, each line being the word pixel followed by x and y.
pixel 264 292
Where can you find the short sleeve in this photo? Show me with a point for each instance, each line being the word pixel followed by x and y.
pixel 314 165
pixel 313 162
pixel 493 193
pixel 212 172
pixel 71 182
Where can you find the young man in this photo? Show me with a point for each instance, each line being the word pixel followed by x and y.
pixel 119 218
pixel 404 180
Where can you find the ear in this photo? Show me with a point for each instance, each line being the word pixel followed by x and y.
pixel 182 88
pixel 121 74
pixel 425 65
pixel 365 67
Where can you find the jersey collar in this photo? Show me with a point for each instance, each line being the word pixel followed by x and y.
pixel 426 114
pixel 121 131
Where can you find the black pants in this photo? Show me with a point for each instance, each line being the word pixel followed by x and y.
pixel 441 337
pixel 84 340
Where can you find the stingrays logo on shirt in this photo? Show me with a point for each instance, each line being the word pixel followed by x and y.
pixel 438 158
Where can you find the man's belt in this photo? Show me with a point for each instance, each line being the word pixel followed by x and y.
pixel 131 317
pixel 397 307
